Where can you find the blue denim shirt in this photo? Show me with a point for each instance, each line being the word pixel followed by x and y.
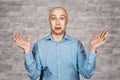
pixel 62 60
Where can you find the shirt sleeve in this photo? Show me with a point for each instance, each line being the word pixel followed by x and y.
pixel 33 63
pixel 86 62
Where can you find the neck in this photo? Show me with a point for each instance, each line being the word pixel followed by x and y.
pixel 57 37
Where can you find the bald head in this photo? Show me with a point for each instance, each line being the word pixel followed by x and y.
pixel 58 19
pixel 58 8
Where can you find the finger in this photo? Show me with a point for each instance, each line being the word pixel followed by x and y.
pixel 18 36
pixel 19 43
pixel 93 36
pixel 14 37
pixel 15 41
pixel 104 40
pixel 104 33
pixel 100 33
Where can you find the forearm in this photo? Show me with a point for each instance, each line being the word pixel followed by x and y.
pixel 90 63
pixel 32 67
pixel 88 67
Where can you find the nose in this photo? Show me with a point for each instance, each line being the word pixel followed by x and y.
pixel 58 22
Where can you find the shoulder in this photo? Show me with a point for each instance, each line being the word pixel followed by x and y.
pixel 41 41
pixel 75 40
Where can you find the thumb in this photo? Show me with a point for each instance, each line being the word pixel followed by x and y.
pixel 93 36
pixel 27 38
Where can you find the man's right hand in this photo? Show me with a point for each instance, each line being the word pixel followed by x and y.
pixel 24 44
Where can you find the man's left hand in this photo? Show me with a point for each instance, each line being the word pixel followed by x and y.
pixel 97 41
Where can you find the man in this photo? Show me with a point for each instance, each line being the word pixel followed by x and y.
pixel 59 56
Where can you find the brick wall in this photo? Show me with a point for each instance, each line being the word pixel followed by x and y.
pixel 85 17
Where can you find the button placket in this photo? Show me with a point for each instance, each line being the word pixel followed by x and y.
pixel 58 62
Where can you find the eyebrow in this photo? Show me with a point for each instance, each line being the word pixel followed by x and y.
pixel 63 15
pixel 52 15
pixel 60 15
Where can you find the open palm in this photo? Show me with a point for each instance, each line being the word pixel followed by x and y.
pixel 24 44
pixel 99 40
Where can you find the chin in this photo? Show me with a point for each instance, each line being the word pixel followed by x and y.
pixel 59 32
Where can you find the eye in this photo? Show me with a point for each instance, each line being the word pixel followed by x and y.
pixel 62 18
pixel 53 18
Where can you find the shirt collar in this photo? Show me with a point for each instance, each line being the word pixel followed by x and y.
pixel 49 37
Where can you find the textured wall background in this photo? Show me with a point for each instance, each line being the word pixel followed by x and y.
pixel 85 17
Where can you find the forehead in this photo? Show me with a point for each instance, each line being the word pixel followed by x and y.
pixel 58 11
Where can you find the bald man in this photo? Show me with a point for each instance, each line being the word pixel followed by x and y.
pixel 59 56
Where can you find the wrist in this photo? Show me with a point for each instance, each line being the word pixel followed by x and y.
pixel 93 50
pixel 26 50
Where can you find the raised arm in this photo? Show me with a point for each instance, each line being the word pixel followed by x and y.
pixel 32 58
pixel 23 44
pixel 97 41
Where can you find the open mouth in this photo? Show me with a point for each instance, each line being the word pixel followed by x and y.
pixel 57 27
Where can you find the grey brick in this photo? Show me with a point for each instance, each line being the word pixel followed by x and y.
pixel 85 18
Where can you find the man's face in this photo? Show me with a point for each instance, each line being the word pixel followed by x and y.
pixel 58 20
